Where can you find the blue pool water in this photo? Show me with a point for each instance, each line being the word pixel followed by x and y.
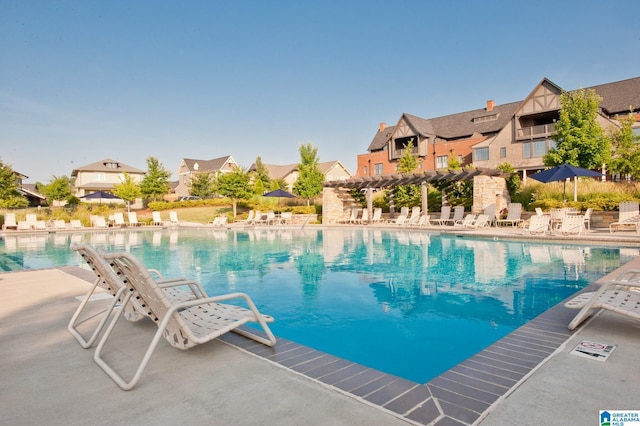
pixel 407 303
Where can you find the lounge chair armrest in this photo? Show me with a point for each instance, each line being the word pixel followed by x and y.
pixel 194 286
pixel 215 299
pixel 155 271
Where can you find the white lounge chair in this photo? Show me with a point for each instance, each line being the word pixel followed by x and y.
pixel 620 295
pixel 249 218
pixel 183 324
pixel 133 219
pixel 402 217
pixel 59 224
pixel 490 211
pixel 173 218
pixel 99 222
pixel 538 225
pixel 118 219
pixel 9 221
pixel 424 220
pixel 156 218
pixel 628 217
pixel 377 215
pixel 445 212
pixel 571 224
pixel 108 279
pixel 458 214
pixel 587 219
pixel 76 224
pixel 365 216
pixel 415 216
pixel 513 215
pixel 482 221
pixel 468 221
pixel 286 218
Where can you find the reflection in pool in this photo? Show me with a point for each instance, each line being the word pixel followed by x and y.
pixel 408 303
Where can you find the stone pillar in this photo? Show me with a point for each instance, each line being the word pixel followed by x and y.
pixel 489 191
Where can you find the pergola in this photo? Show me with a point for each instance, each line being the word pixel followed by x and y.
pixel 389 181
pixel 369 183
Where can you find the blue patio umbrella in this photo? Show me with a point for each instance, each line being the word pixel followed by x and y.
pixel 279 193
pixel 100 195
pixel 564 172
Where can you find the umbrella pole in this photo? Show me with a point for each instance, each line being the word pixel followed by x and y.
pixel 575 188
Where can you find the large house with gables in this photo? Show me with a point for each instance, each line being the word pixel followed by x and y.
pixel 189 167
pixel 518 133
pixel 102 176
pixel 332 171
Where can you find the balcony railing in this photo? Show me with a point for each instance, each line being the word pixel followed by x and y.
pixel 536 131
pixel 398 153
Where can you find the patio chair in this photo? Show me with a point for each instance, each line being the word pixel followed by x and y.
pixel 377 215
pixel 458 214
pixel 571 224
pixel 482 221
pixel 156 219
pixel 490 211
pixel 76 224
pixel 402 217
pixel 108 279
pixel 538 225
pixel 133 219
pixel 424 220
pixel 183 324
pixel 355 212
pixel 173 218
pixel 587 219
pixel 99 222
pixel 513 215
pixel 415 215
pixel 467 222
pixel 620 295
pixel 59 224
pixel 118 219
pixel 629 217
pixel 286 218
pixel 249 218
pixel 445 212
pixel 9 221
pixel 364 218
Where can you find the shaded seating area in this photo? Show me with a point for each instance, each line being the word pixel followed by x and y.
pixel 183 324
pixel 620 295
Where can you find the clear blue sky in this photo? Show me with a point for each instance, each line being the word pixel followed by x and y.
pixel 85 80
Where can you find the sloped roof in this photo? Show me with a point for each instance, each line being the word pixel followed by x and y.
pixel 206 165
pixel 106 166
pixel 381 138
pixel 327 165
pixel 618 96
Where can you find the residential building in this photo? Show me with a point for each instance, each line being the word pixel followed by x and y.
pixel 189 167
pixel 102 175
pixel 518 133
pixel 332 171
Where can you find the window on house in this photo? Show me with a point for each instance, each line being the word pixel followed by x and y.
pixel 503 152
pixel 378 169
pixel 535 149
pixel 442 161
pixel 99 177
pixel 366 170
pixel 460 159
pixel 481 154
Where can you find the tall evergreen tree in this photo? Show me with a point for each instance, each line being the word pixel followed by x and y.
pixel 155 184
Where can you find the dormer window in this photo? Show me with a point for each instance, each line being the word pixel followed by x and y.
pixel 111 165
pixel 196 166
pixel 482 119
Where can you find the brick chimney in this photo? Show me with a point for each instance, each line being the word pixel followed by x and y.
pixel 490 105
pixel 382 127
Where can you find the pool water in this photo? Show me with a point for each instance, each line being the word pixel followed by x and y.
pixel 407 303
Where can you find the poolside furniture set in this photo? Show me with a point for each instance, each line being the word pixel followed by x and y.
pixel 185 315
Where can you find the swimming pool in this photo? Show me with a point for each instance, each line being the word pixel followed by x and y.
pixel 407 303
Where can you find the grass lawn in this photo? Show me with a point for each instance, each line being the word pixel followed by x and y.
pixel 192 214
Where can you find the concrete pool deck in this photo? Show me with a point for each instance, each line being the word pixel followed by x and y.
pixel 48 378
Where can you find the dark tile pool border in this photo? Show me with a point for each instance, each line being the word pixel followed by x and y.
pixel 459 396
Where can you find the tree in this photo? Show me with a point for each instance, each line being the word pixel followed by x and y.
pixel 9 195
pixel 408 162
pixel 203 184
pixel 58 188
pixel 407 195
pixel 310 178
pixel 626 150
pixel 261 179
pixel 128 190
pixel 235 185
pixel 580 140
pixel 155 183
